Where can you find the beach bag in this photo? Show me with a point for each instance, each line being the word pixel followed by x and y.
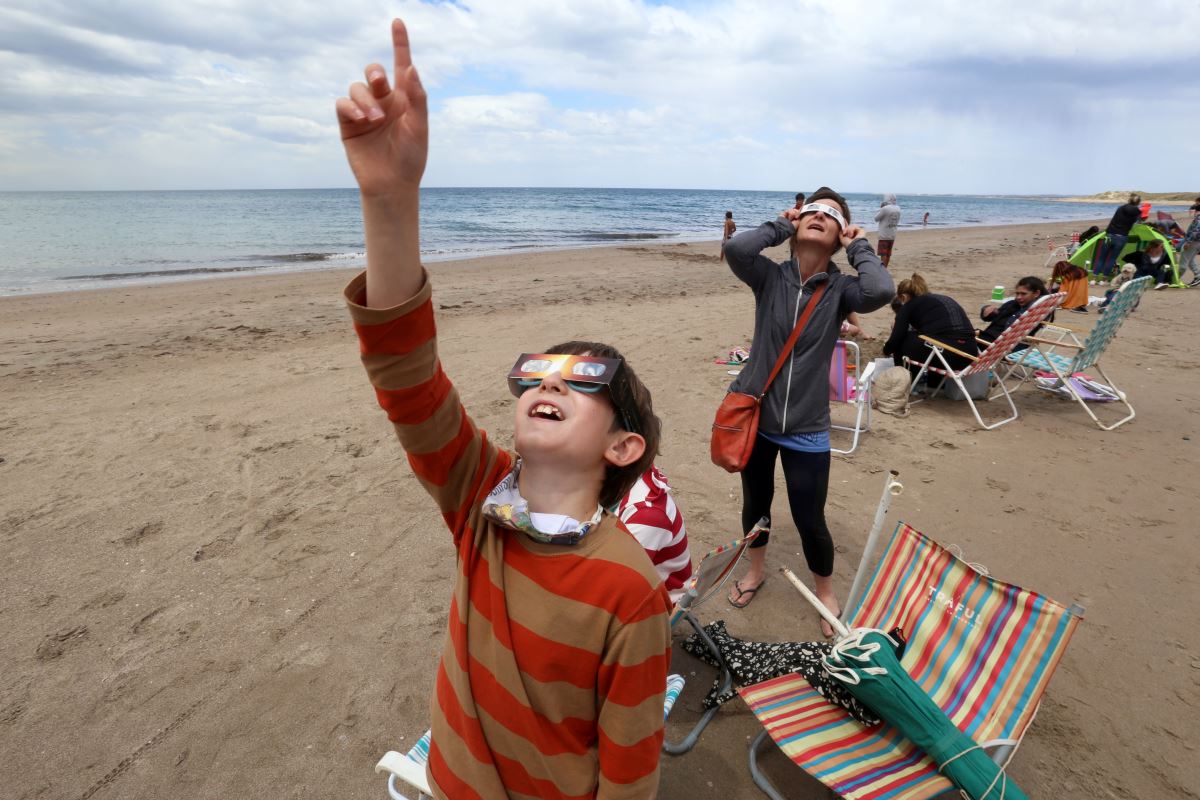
pixel 736 423
pixel 889 392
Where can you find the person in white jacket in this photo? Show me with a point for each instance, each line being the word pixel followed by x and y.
pixel 888 217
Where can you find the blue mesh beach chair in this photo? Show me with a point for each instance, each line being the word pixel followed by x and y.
pixel 1043 355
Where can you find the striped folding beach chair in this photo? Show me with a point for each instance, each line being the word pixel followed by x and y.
pixel 984 650
pixel 983 364
pixel 1042 354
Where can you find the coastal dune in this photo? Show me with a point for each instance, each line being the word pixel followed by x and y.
pixel 222 580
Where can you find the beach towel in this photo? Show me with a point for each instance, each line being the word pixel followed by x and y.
pixel 1088 389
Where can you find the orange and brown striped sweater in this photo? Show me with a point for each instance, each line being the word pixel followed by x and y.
pixel 552 675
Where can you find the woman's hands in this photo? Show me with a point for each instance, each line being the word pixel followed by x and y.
pixel 385 128
pixel 851 233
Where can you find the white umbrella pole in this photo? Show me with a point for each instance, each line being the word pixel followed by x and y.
pixel 840 629
pixel 891 488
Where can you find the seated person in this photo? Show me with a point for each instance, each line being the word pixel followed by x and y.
pixel 1001 317
pixel 1128 272
pixel 934 315
pixel 554 666
pixel 1152 261
pixel 650 514
pixel 852 327
pixel 1073 280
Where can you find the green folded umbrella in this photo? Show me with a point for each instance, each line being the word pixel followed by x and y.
pixel 868 662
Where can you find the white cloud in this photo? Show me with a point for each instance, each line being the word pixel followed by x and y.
pixel 931 95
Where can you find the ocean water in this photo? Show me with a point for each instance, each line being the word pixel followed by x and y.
pixel 61 241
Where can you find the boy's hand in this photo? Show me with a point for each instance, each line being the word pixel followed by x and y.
pixel 385 129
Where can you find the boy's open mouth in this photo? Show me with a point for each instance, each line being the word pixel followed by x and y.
pixel 546 411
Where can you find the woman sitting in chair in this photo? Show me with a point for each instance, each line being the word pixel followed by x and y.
pixel 1029 289
pixel 1073 280
pixel 934 315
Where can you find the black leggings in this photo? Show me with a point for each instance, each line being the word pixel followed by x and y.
pixel 807 478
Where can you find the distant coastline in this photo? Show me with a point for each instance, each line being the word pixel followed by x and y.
pixel 1119 196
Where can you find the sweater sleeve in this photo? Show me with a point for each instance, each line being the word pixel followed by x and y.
pixel 873 288
pixel 742 252
pixel 899 329
pixel 450 456
pixel 630 690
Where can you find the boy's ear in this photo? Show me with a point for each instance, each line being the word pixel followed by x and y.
pixel 624 449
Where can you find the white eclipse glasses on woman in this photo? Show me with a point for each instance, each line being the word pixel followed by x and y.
pixel 828 211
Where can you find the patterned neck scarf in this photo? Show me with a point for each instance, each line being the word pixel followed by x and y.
pixel 505 506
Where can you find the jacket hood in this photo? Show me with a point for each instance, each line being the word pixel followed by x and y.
pixel 889 200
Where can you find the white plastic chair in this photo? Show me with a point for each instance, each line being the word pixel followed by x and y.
pixel 851 385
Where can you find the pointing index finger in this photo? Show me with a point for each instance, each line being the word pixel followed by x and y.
pixel 400 48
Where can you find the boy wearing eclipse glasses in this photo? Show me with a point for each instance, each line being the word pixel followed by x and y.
pixel 553 670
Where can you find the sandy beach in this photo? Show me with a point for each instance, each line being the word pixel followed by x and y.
pixel 222 581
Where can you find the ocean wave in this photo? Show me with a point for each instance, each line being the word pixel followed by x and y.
pixel 156 273
pixel 600 236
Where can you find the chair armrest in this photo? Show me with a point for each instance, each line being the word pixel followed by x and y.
pixel 1050 343
pixel 405 769
pixel 945 346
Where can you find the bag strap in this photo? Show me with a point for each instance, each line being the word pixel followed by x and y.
pixel 791 342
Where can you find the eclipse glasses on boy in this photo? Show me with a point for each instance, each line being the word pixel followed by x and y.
pixel 829 211
pixel 587 374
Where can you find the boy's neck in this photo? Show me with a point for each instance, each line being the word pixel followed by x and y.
pixel 551 489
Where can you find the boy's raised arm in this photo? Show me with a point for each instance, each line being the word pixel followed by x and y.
pixel 385 130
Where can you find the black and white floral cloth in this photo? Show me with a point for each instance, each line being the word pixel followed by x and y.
pixel 755 662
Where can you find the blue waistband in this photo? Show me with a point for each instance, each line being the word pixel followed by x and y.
pixel 815 442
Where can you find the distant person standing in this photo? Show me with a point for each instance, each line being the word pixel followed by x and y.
pixel 800 200
pixel 1191 246
pixel 888 218
pixel 925 220
pixel 1116 235
pixel 730 227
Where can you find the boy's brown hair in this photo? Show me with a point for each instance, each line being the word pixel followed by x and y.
pixel 619 480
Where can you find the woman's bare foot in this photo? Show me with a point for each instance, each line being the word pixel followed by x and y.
pixel 745 590
pixel 831 602
pixel 824 593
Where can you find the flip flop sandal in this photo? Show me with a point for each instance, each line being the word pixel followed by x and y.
pixel 742 593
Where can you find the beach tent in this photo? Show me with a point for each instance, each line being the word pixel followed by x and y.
pixel 1140 236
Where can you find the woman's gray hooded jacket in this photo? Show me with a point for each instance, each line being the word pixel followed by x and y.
pixel 798 401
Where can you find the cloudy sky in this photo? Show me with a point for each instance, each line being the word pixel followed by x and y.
pixel 922 96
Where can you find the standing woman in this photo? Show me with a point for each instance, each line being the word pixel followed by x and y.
pixel 794 426
pixel 1116 235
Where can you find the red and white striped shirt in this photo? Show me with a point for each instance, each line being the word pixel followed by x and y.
pixel 650 514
